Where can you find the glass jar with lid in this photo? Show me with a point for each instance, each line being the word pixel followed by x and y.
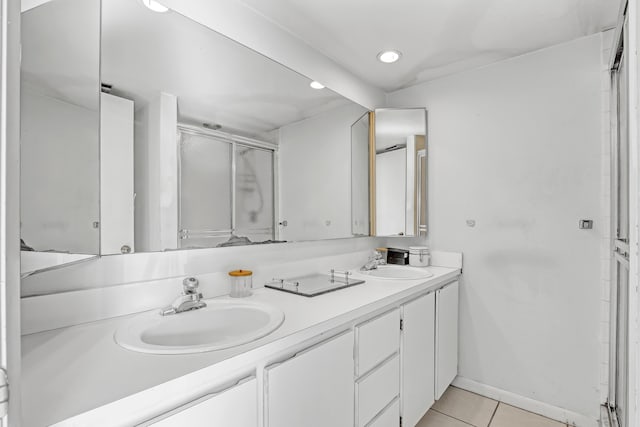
pixel 241 283
pixel 419 256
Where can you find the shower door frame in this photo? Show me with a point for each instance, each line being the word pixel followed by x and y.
pixel 234 141
pixel 623 355
pixel 619 296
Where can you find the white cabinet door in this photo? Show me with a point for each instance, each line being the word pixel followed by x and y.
pixel 234 407
pixel 313 389
pixel 446 337
pixel 417 352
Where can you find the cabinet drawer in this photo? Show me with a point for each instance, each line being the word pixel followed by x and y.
pixel 390 417
pixel 375 391
pixel 376 340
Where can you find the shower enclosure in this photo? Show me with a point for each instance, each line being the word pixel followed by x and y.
pixel 226 188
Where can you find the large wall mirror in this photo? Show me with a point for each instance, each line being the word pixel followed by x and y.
pixel 146 131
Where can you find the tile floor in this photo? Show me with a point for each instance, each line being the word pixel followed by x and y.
pixel 460 408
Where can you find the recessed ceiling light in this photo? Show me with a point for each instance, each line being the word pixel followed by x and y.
pixel 155 6
pixel 316 85
pixel 389 56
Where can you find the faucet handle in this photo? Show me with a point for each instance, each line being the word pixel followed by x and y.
pixel 190 286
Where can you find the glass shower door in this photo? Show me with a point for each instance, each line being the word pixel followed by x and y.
pixel 619 339
pixel 253 204
pixel 226 191
pixel 205 190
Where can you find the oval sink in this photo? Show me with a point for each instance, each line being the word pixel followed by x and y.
pixel 221 324
pixel 397 273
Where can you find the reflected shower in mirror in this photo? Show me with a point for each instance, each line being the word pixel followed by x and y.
pixel 60 90
pixel 400 172
pixel 240 174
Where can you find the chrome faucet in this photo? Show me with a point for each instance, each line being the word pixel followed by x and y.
pixel 374 261
pixel 189 300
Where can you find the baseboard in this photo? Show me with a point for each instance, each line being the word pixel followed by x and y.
pixel 525 403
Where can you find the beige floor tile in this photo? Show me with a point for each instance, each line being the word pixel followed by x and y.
pixel 466 406
pixel 436 419
pixel 509 416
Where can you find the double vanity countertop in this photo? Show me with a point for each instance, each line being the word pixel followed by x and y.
pixel 69 371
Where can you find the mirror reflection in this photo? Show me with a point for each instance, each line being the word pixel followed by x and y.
pixel 146 131
pixel 256 146
pixel 60 89
pixel 360 175
pixel 400 172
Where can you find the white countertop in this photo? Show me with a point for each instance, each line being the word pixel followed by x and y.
pixel 68 371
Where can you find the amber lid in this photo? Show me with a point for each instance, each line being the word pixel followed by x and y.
pixel 382 249
pixel 240 273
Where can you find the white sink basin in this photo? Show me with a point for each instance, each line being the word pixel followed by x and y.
pixel 221 324
pixel 398 272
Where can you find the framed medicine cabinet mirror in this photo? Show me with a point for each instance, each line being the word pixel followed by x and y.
pixel 395 145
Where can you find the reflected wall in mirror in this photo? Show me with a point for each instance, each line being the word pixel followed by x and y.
pixel 226 146
pixel 360 163
pixel 60 88
pixel 400 182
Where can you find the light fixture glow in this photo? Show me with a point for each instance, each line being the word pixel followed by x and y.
pixel 389 56
pixel 155 6
pixel 316 85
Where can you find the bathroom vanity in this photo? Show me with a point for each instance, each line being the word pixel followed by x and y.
pixel 365 356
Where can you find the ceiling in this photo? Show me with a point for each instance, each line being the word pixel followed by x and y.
pixel 436 37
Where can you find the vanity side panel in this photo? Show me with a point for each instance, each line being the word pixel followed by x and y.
pixel 446 337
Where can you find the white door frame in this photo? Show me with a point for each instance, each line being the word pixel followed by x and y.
pixel 634 202
pixel 631 51
pixel 10 203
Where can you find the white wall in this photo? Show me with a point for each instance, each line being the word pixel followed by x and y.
pixel 316 154
pixel 59 174
pixel 516 147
